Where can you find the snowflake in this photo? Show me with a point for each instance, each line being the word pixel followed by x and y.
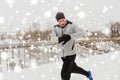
pixel 89 33
pixel 90 50
pixel 45 50
pixel 33 63
pixel 60 0
pixel 17 28
pixel 2 19
pixel 48 14
pixel 68 1
pixel 17 69
pixel 10 3
pixel 81 4
pixel 42 1
pixel 17 11
pixel 33 2
pixel 102 62
pixel 23 22
pixel 50 71
pixel 81 14
pixel 28 13
pixel 111 7
pixel 105 9
pixel 55 8
pixel 32 47
pixel 4 55
pixel 76 8
pixel 51 59
pixel 106 31
pixel 53 78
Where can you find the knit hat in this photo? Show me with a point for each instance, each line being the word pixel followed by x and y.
pixel 60 15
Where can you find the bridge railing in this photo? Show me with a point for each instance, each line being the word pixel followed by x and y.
pixel 29 55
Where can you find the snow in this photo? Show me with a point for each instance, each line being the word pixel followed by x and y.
pixel 48 14
pixel 106 31
pixel 81 14
pixel 76 8
pixel 28 13
pixel 81 4
pixel 34 2
pixel 42 1
pixel 103 67
pixel 10 3
pixel 105 9
pixel 17 69
pixel 99 12
pixel 2 20
pixel 4 55
pixel 60 0
pixel 55 8
pixel 89 15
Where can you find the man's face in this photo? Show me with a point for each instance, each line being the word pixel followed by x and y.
pixel 62 22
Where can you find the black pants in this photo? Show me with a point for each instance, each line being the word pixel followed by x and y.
pixel 69 66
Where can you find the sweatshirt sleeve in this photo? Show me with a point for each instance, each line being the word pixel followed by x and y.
pixel 78 32
pixel 54 35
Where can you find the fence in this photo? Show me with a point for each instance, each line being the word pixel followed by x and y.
pixel 26 55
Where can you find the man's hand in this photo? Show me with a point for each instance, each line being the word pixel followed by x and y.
pixel 66 38
pixel 60 39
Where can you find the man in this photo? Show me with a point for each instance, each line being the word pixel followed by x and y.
pixel 67 32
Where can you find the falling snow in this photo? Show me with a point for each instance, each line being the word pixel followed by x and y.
pixel 2 20
pixel 4 55
pixel 55 8
pixel 34 2
pixel 86 13
pixel 75 10
pixel 99 63
pixel 106 31
pixel 76 7
pixel 48 14
pixel 28 13
pixel 105 9
pixel 60 0
pixel 81 14
pixel 10 3
pixel 17 69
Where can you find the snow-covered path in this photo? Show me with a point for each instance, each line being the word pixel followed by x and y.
pixel 103 67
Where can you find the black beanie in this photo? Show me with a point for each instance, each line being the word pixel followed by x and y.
pixel 60 15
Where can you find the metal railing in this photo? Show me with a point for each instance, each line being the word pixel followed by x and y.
pixel 25 55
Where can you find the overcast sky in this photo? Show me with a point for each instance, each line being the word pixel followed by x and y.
pixel 89 14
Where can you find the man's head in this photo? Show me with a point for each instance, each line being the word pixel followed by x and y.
pixel 61 19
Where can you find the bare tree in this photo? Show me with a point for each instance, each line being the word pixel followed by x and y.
pixel 115 29
pixel 34 33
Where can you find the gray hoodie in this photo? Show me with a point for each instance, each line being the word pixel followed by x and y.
pixel 74 31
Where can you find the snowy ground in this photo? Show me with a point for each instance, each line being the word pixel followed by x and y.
pixel 103 67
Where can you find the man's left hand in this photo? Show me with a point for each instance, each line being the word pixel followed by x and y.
pixel 66 38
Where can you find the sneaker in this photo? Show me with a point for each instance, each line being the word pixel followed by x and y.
pixel 90 76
